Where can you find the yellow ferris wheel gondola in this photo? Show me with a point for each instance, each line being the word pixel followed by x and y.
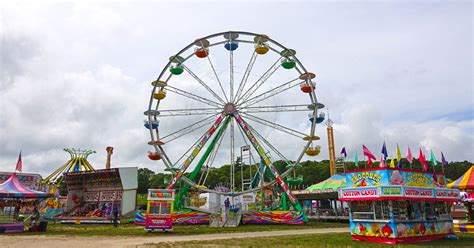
pixel 160 95
pixel 313 151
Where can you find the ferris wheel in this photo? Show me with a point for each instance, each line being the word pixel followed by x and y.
pixel 226 91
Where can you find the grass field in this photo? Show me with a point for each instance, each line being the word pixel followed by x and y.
pixel 314 240
pixel 133 230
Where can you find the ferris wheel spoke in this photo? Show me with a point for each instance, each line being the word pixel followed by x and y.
pixel 276 126
pixel 268 144
pixel 202 83
pixel 278 108
pixel 213 156
pixel 232 156
pixel 267 161
pixel 188 129
pixel 246 75
pixel 166 159
pixel 231 83
pixel 200 144
pixel 186 112
pixel 192 96
pixel 255 86
pixel 273 92
pixel 217 78
pixel 186 153
pixel 246 143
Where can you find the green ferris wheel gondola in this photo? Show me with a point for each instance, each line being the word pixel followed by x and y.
pixel 176 70
pixel 288 64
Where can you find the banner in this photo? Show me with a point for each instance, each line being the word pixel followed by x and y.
pixel 368 178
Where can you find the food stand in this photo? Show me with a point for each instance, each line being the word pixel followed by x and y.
pixel 159 210
pixel 392 205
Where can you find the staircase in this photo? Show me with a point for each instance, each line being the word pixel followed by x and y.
pixel 232 220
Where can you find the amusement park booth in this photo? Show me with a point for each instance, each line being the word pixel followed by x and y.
pixel 159 210
pixel 465 183
pixel 94 195
pixel 16 199
pixel 323 196
pixel 392 205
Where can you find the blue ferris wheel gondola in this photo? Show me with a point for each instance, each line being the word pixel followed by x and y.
pixel 154 124
pixel 319 119
pixel 231 46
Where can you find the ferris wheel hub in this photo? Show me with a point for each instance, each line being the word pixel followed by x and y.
pixel 230 108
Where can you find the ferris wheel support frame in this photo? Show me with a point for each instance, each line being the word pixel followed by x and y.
pixel 195 151
pixel 202 160
pixel 269 164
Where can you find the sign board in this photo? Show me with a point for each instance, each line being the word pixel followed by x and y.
pixel 248 198
pixel 160 194
pixel 391 191
pixel 366 192
pixel 419 192
pixel 390 176
pixel 447 194
pixel 399 192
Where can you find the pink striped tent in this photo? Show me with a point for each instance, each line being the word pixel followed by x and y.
pixel 12 188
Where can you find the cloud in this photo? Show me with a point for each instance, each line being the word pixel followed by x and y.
pixel 363 125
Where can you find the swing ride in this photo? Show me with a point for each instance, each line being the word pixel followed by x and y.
pixel 223 92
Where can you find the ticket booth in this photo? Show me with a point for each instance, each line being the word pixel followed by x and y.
pixel 159 210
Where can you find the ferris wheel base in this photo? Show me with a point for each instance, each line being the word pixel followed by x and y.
pixel 273 217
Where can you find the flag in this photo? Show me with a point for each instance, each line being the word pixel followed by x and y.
pixel 367 153
pixel 19 164
pixel 369 162
pixel 382 163
pixel 399 157
pixel 384 151
pixel 433 158
pixel 343 151
pixel 444 163
pixel 409 156
pixel 399 154
pixel 422 160
pixel 356 160
pixel 392 163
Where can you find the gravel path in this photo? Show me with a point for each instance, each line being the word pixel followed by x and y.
pixel 39 241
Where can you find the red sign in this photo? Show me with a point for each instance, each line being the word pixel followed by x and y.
pixel 359 193
pixel 447 194
pixel 419 193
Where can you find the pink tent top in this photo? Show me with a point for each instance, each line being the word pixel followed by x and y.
pixel 12 188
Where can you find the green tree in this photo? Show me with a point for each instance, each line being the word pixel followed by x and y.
pixel 144 176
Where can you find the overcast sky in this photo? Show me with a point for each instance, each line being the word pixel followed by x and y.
pixel 78 74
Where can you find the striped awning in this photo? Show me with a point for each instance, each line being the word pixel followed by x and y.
pixel 12 188
pixel 333 183
pixel 466 181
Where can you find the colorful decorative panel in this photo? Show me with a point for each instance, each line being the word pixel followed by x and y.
pixel 402 177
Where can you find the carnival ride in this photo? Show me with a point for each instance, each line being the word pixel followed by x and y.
pixel 77 162
pixel 255 89
pixel 91 195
